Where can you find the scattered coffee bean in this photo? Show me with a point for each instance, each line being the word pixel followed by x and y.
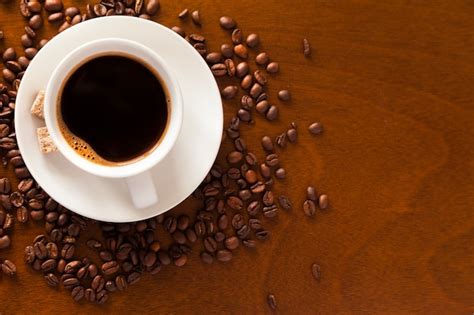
pixel 315 128
pixel 230 65
pixel 227 22
pixel 242 69
pixel 229 92
pixel 178 30
pixel 267 143
pixel 196 18
pixel 236 36
pixel 213 57
pixel 323 202
pixel 227 51
pixel 285 202
pixel 152 7
pixel 256 90
pixel 34 6
pixel 9 54
pixel 246 82
pixel 252 40
pixel 280 173
pixel 241 51
pixel 271 300
pixel 56 17
pixel 224 255
pixel 273 67
pixel 8 268
pixel 292 135
pixel 35 22
pixel 219 69
pixel 309 208
pixel 272 113
pixel 262 58
pixel 284 95
pixel 5 183
pixel 207 258
pixel 5 241
pixel 311 193
pixel 306 48
pixel 53 5
pixel 316 271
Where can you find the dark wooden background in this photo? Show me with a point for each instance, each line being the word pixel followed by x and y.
pixel 392 82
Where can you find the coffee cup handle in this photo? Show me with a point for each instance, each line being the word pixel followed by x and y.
pixel 142 190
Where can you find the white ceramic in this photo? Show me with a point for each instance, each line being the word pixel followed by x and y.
pixel 176 176
pixel 136 174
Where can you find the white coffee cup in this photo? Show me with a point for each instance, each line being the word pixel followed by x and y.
pixel 136 173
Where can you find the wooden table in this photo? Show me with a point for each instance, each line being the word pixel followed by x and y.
pixel 392 82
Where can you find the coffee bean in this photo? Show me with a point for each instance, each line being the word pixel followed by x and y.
pixel 262 107
pixel 311 193
pixel 152 7
pixel 284 95
pixel 9 76
pixel 309 208
pixel 285 202
pixel 78 293
pixel 255 224
pixel 247 102
pixel 244 115
pixel 179 237
pixel 99 9
pixel 170 224
pixel 34 6
pixel 253 40
pixel 71 11
pixel 210 244
pixel 37 215
pixel 207 258
pixel 273 67
pixel 9 54
pixel 42 43
pixel 246 82
pixel 267 143
pixel 121 282
pixel 256 90
pixel 270 211
pixel 196 18
pixel 56 17
pixel 196 38
pixel 262 58
pixel 234 157
pixel 52 280
pixel 234 203
pixel 16 199
pixel 8 222
pixel 249 243
pixel 268 198
pixel 316 271
pixel 8 267
pixel 306 47
pixel 71 283
pixel 214 57
pixel 323 201
pixel 280 173
pixel 183 14
pixel 72 267
pixel 292 135
pixel 227 50
pixel 229 92
pixel 236 36
pixel 77 19
pixel 21 172
pixel 281 140
pixel 110 267
pixel 90 295
pixel 227 22
pixel 30 32
pixel 260 78
pixel 98 283
pixel 24 9
pixel 35 22
pixel 219 69
pixel 230 65
pixel 224 255
pixel 223 221
pixel 178 30
pixel 53 5
pixel 5 184
pixel 272 160
pixel 271 300
pixel 242 69
pixel 5 202
pixel 5 241
pixel 48 265
pixel 241 51
pixel 315 128
pixel 258 187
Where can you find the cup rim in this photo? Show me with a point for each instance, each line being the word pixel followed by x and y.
pixel 136 50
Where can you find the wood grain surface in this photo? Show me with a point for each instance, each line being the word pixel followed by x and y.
pixel 392 82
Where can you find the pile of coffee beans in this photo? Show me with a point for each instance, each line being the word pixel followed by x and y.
pixel 236 197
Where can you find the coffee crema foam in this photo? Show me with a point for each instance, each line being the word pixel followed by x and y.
pixel 83 148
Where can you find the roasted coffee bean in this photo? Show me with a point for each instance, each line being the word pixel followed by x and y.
pixel 78 293
pixel 262 58
pixel 255 224
pixel 271 300
pixel 92 270
pixel 110 286
pixel 105 255
pixel 229 92
pixel 210 244
pixel 89 295
pixel 243 232
pixel 196 18
pixel 260 78
pixel 71 283
pixel 29 255
pixel 35 22
pixel 71 11
pixel 16 199
pixel 34 6
pixel 7 143
pixel 246 82
pixel 37 215
pixel 234 123
pixel 268 198
pixel 227 22
pixel 241 51
pixel 133 278
pixel 285 202
pixel 267 143
pixel 183 14
pixel 306 48
pixel 110 267
pixel 121 282
pixel 52 250
pixel 53 5
pixel 5 241
pixel 240 145
pixel 27 42
pixel 249 243
pixel 4 130
pixel 233 173
pixel 309 208
pixel 236 36
pixel 227 50
pixel 292 135
pixel 5 202
pixel 5 185
pixel 200 228
pixel 17 161
pixel 179 237
pixel 56 17
pixel 82 273
pixel 316 271
pixel 262 235
pixel 237 221
pixel 251 159
pixel 323 201
pixel 230 65
pixel 77 19
pixel 207 258
pixel 197 38
pixel 99 9
pixel 183 222
pixel 272 160
pixel 170 224
pixel 224 255
pixel 178 30
pixel 191 235
pixel 9 54
pixel 311 193
pixel 152 7
pixel 234 203
pixel 98 283
pixel 255 90
pixel 281 140
pixel 48 265
pixel 242 69
pixel 8 222
pixel 251 177
pixel 219 236
pixel 280 173
pixel 258 187
pixel 231 243
pixel 9 76
pixel 219 69
pixel 234 157
pixel 270 211
pixel 52 280
pixel 252 40
pixel 23 62
pixel 273 67
pixel 21 172
pixel 272 113
pixel 31 52
pixel 284 95
pixel 72 267
pixel 247 102
pixel 315 128
pixel 213 57
pixel 8 267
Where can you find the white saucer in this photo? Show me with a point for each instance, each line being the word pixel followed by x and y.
pixel 177 176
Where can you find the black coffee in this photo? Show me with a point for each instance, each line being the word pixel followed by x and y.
pixel 114 109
